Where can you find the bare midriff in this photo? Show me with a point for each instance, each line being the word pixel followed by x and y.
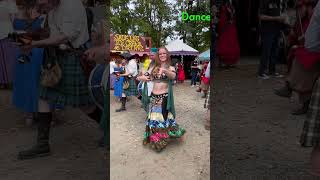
pixel 160 87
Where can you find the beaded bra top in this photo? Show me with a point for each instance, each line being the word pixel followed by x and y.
pixel 158 77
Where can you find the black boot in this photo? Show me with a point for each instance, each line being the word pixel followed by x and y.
pixel 42 147
pixel 285 91
pixel 96 115
pixel 35 117
pixel 302 110
pixel 123 106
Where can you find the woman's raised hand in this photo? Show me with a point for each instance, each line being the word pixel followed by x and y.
pixel 144 78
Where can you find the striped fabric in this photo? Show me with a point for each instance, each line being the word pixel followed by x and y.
pixel 72 89
pixel 132 90
pixel 311 130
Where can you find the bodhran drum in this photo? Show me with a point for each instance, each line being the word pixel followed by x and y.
pixel 140 87
pixel 98 81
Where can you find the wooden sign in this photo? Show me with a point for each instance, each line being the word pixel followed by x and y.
pixel 120 42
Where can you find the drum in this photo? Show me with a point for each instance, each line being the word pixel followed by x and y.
pixel 140 87
pixel 98 82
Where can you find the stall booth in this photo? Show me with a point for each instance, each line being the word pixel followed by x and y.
pixel 135 45
pixel 183 53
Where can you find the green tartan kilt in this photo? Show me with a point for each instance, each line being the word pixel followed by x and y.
pixel 132 90
pixel 105 119
pixel 72 90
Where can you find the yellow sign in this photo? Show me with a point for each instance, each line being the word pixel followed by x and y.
pixel 127 42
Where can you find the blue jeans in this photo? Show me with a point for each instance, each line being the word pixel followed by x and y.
pixel 270 52
pixel 193 78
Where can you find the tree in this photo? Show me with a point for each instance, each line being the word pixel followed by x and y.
pixel 121 17
pixel 194 33
pixel 159 19
pixel 152 18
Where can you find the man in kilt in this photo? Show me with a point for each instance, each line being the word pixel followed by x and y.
pixel 131 72
pixel 310 136
pixel 67 22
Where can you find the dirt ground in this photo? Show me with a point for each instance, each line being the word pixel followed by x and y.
pixel 74 147
pixel 187 160
pixel 255 134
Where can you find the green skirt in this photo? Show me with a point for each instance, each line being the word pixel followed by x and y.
pixel 132 90
pixel 72 90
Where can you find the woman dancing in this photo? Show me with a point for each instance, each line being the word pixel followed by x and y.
pixel 161 124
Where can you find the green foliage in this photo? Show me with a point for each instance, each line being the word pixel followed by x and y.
pixel 195 33
pixel 121 19
pixel 158 19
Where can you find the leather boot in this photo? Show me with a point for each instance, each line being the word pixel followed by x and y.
pixel 96 115
pixel 205 95
pixel 315 161
pixel 123 106
pixel 285 91
pixel 42 147
pixel 302 110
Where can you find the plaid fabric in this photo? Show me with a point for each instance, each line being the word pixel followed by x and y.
pixel 207 101
pixel 132 90
pixel 311 130
pixel 72 90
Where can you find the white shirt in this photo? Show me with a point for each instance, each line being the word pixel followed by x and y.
pixel 7 10
pixel 112 66
pixel 70 19
pixel 312 35
pixel 132 67
pixel 207 73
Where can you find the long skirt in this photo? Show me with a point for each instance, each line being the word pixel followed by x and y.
pixel 228 46
pixel 118 87
pixel 72 89
pixel 7 61
pixel 181 75
pixel 26 82
pixel 112 80
pixel 160 124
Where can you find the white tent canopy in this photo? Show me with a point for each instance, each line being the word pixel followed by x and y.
pixel 177 47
